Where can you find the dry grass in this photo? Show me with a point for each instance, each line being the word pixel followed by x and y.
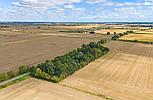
pixel 124 74
pixel 138 37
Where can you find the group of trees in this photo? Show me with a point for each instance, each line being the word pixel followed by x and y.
pixel 63 66
pixel 116 36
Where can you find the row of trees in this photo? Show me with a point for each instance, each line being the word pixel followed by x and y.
pixel 116 36
pixel 63 66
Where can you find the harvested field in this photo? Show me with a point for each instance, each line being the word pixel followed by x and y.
pixel 31 90
pixel 138 37
pixel 79 26
pixel 144 32
pixel 104 31
pixel 126 73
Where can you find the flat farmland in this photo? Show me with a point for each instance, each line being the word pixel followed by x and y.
pixel 31 90
pixel 34 49
pixel 104 31
pixel 138 37
pixel 144 32
pixel 126 73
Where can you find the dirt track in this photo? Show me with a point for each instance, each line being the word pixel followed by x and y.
pixel 126 73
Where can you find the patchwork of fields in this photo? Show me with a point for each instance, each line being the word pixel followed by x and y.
pixel 124 74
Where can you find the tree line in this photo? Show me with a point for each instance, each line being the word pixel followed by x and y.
pixel 61 67
pixel 116 36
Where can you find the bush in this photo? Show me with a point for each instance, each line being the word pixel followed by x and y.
pixel 55 79
pixel 108 33
pixel 3 77
pixel 23 69
pixel 135 40
pixel 92 32
pixel 11 74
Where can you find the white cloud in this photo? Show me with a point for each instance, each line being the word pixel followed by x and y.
pixel 69 6
pixel 97 1
pixel 44 3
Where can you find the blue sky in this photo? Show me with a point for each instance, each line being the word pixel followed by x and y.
pixel 76 10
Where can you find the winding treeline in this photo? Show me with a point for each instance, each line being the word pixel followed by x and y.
pixel 61 67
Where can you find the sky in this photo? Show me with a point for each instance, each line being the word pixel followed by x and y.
pixel 77 10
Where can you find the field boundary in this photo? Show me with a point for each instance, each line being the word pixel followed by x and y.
pixel 88 92
pixel 135 41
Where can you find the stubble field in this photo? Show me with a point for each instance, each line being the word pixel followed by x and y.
pixel 34 89
pixel 138 37
pixel 124 74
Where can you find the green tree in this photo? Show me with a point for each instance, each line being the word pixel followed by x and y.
pixel 23 69
pixel 32 70
pixel 38 72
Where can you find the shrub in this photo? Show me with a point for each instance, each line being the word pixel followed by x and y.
pixel 135 40
pixel 108 33
pixel 11 74
pixel 23 69
pixel 3 77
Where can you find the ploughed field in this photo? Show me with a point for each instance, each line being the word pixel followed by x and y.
pixel 33 44
pixel 34 89
pixel 126 73
pixel 36 50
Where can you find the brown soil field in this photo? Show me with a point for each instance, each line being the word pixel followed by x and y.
pixel 104 31
pixel 139 37
pixel 34 89
pixel 126 73
pixel 37 49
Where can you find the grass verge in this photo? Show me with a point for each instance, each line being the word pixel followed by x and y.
pixel 15 81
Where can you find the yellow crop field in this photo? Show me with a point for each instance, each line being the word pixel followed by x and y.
pixel 138 37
